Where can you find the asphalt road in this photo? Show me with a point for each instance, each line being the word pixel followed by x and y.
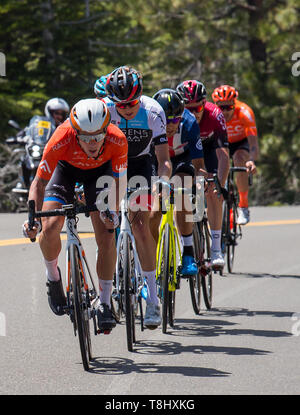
pixel 247 344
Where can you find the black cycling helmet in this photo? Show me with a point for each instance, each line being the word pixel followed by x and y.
pixel 191 91
pixel 124 84
pixel 171 102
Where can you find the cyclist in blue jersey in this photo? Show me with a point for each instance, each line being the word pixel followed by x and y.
pixel 185 148
pixel 143 122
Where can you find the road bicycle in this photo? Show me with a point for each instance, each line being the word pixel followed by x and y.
pixel 202 250
pixel 231 231
pixel 129 285
pixel 81 292
pixel 169 257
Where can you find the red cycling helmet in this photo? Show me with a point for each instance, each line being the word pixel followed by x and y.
pixel 224 93
pixel 191 91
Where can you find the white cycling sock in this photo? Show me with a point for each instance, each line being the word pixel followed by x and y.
pixel 52 270
pixel 187 240
pixel 152 289
pixel 216 240
pixel 105 291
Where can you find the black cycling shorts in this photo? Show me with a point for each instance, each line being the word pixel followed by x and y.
pixel 62 183
pixel 239 145
pixel 140 167
pixel 183 164
pixel 210 159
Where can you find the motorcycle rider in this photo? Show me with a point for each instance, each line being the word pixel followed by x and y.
pixel 57 111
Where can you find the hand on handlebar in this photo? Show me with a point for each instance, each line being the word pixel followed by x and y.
pixel 251 167
pixel 110 219
pixel 31 233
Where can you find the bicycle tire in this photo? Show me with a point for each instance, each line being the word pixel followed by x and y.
pixel 165 278
pixel 80 303
pixel 207 279
pixel 232 229
pixel 195 280
pixel 128 294
pixel 171 307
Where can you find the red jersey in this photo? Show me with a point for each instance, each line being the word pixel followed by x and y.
pixel 213 127
pixel 63 145
pixel 242 124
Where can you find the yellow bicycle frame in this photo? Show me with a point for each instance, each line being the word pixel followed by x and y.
pixel 168 218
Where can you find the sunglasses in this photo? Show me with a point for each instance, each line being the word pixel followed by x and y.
pixel 89 138
pixel 226 107
pixel 199 108
pixel 174 120
pixel 130 104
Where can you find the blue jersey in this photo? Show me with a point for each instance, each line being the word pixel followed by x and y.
pixel 146 129
pixel 187 138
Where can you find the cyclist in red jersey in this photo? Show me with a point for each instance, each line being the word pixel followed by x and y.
pixel 243 143
pixel 86 148
pixel 216 156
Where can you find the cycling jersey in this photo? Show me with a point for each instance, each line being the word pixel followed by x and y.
pixel 213 135
pixel 213 127
pixel 187 138
pixel 242 124
pixel 146 128
pixel 63 146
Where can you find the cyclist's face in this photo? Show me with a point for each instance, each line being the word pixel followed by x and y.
pixel 129 112
pixel 227 107
pixel 197 108
pixel 172 126
pixel 92 148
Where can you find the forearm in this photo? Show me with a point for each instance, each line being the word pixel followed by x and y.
pixel 164 169
pixel 37 191
pixel 199 165
pixel 223 165
pixel 253 148
pixel 163 160
pixel 121 186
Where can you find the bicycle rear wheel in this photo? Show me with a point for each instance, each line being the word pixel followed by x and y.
pixel 81 305
pixel 206 280
pixel 129 291
pixel 195 280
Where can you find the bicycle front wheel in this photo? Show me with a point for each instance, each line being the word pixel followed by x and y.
pixel 195 280
pixel 165 274
pixel 128 276
pixel 81 305
pixel 206 280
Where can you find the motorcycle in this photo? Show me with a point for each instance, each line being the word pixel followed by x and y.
pixel 31 143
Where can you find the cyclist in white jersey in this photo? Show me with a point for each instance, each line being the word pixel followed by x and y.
pixel 143 122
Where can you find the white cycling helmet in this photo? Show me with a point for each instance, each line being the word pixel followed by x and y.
pixel 56 104
pixel 89 115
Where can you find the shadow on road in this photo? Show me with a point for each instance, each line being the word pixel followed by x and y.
pixel 123 366
pixel 213 328
pixel 263 275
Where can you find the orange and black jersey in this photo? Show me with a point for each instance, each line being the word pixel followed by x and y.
pixel 63 146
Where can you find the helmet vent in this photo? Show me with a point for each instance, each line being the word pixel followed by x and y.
pixel 90 115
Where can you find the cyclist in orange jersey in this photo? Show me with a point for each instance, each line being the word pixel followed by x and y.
pixel 86 148
pixel 243 142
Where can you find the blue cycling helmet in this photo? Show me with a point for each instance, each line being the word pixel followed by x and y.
pixel 99 87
